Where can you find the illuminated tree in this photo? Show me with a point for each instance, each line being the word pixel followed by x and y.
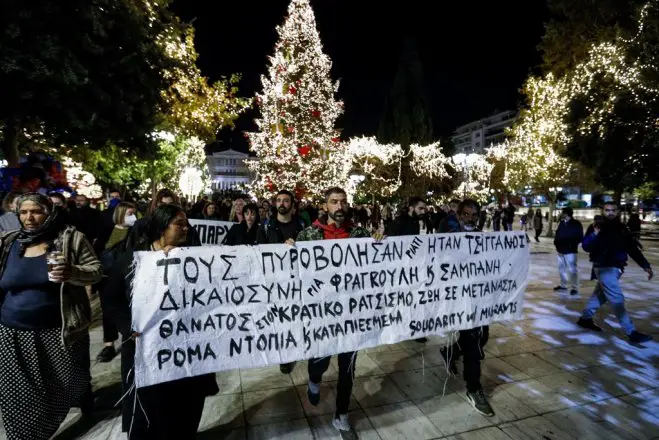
pixel 195 108
pixel 612 123
pixel 575 25
pixel 125 71
pixel 474 174
pixel 174 153
pixel 88 73
pixel 297 144
pixel 535 141
pixel 379 164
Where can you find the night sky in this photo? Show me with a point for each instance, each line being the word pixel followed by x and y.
pixel 475 54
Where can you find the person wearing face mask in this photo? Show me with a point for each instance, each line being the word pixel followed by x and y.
pixel 567 239
pixel 471 342
pixel 409 223
pixel 124 219
pixel 245 231
pixel 335 226
pixel 610 243
pixel 283 228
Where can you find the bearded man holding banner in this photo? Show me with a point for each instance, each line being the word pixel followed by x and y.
pixel 282 229
pixel 471 342
pixel 336 225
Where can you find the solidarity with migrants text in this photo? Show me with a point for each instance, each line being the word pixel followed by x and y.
pixel 207 309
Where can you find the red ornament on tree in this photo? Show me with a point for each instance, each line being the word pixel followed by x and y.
pixel 335 139
pixel 290 129
pixel 315 113
pixel 304 150
pixel 298 82
pixel 292 90
pixel 282 113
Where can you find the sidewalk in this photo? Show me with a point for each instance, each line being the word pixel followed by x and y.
pixel 546 378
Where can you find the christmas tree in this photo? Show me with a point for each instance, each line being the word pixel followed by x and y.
pixel 297 145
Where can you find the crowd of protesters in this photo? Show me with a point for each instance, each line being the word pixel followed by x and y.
pixel 56 254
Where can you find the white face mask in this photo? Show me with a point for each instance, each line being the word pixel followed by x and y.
pixel 130 220
pixel 468 227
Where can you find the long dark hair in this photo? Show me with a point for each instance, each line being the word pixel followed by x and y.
pixel 255 209
pixel 158 221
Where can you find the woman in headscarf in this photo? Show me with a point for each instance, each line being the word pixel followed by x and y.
pixel 44 320
pixel 170 410
pixel 245 231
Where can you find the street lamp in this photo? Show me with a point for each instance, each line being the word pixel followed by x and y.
pixel 190 183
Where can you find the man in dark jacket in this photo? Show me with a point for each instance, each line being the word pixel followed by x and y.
pixel 569 236
pixel 471 342
pixel 284 228
pixel 610 243
pixel 85 218
pixel 408 224
pixel 509 216
pixel 336 225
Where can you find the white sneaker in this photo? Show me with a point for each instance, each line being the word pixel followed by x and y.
pixel 347 432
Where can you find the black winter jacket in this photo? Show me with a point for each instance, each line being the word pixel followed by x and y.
pixel 270 233
pixel 404 225
pixel 569 236
pixel 612 246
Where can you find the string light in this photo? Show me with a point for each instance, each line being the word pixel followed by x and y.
pixel 380 163
pixel 297 144
pixel 475 173
pixel 428 161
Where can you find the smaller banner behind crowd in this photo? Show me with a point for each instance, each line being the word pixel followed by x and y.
pixel 208 309
pixel 211 232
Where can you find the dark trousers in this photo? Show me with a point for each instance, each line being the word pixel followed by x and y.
pixel 346 377
pixel 166 411
pixel 470 346
pixel 537 234
pixel 110 332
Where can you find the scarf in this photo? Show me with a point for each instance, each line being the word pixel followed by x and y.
pixel 50 228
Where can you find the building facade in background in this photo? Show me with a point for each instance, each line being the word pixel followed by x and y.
pixel 476 136
pixel 228 170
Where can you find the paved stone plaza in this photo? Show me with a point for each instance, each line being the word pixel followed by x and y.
pixel 546 378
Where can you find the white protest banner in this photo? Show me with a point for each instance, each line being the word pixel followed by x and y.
pixel 211 232
pixel 208 309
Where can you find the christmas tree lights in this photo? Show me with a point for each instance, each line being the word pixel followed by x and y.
pixel 428 161
pixel 297 144
pixel 475 173
pixel 379 163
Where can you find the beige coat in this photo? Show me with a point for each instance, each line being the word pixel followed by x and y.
pixel 85 270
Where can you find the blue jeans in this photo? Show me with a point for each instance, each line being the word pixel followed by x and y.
pixel 608 289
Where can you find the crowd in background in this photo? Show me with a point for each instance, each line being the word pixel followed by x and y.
pixel 58 253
